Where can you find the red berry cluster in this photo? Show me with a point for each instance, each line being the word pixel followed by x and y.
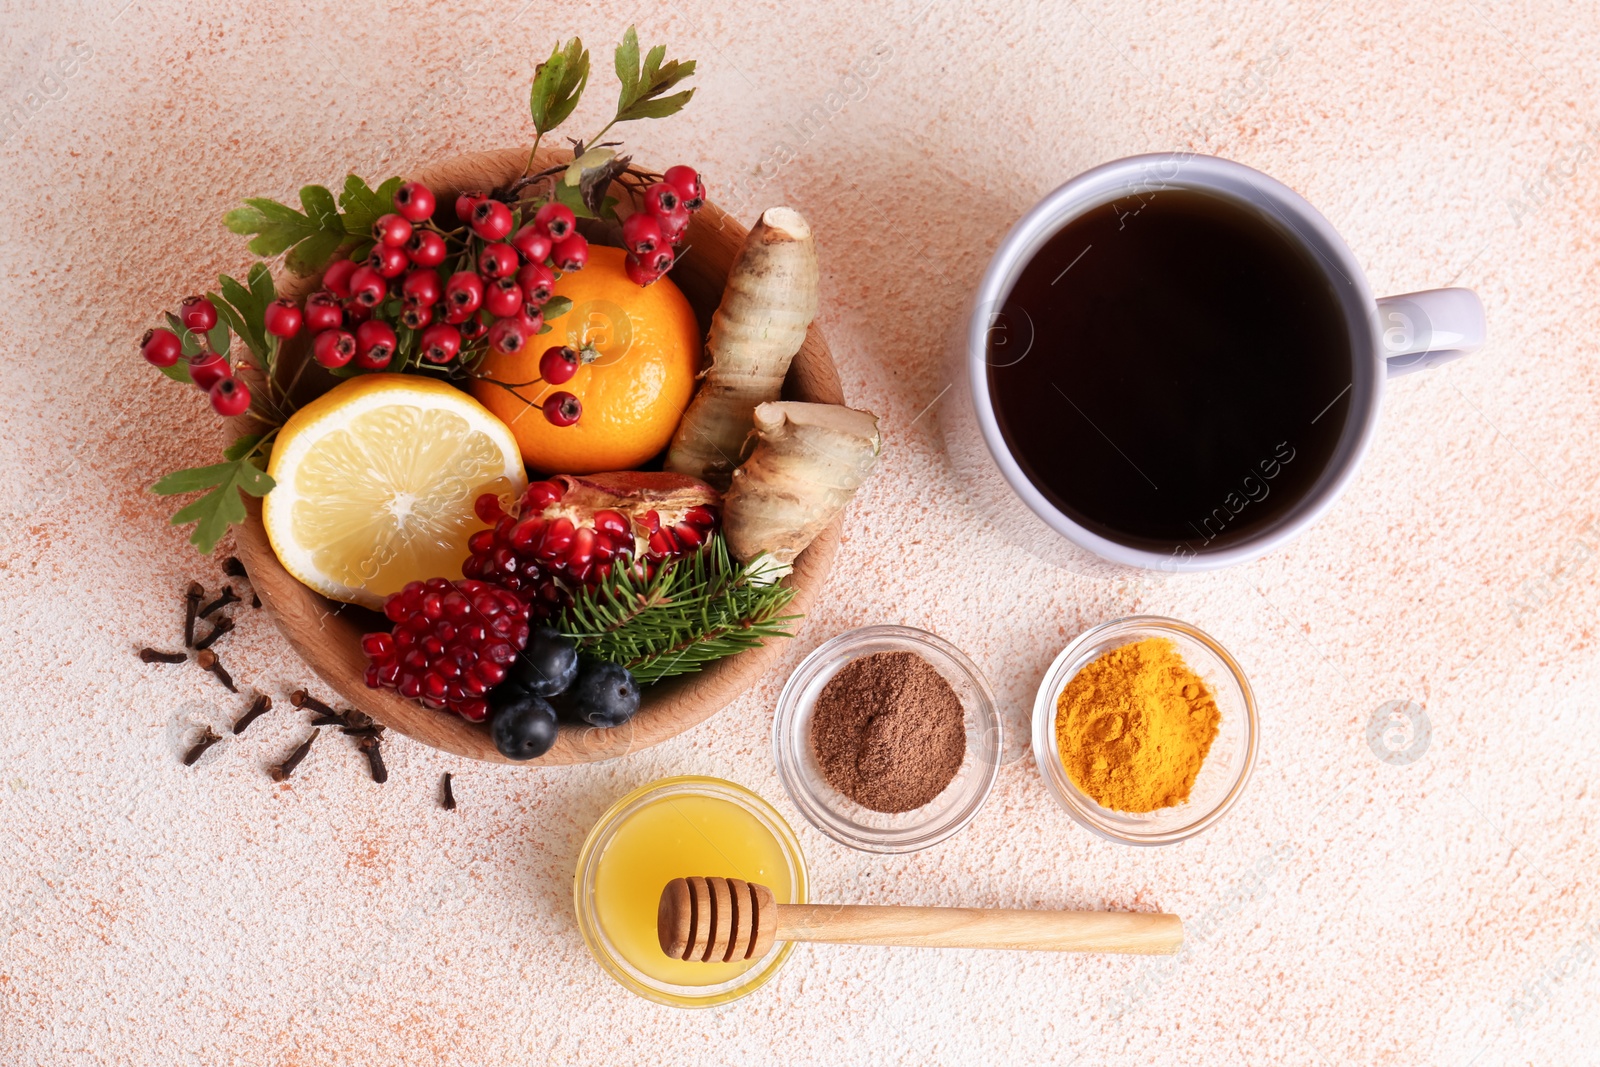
pixel 545 549
pixel 651 235
pixel 452 642
pixel 494 296
pixel 210 371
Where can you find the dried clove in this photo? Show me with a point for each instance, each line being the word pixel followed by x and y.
pixel 262 705
pixel 370 745
pixel 218 628
pixel 286 768
pixel 228 597
pixel 190 610
pixel 255 600
pixel 362 731
pixel 198 749
pixel 233 568
pixel 208 661
pixel 302 699
pixel 150 655
pixel 448 800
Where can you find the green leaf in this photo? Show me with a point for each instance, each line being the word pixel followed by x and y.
pixel 223 506
pixel 627 64
pixel 573 197
pixel 557 306
pixel 242 447
pixel 310 238
pixel 362 205
pixel 193 479
pixel 558 82
pixel 243 307
pixel 643 90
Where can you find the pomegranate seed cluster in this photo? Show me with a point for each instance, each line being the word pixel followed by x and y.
pixel 451 644
pixel 547 549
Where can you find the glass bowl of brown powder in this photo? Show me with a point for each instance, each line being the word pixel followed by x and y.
pixel 1144 730
pixel 887 739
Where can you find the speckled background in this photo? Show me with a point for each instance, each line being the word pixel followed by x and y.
pixel 1350 910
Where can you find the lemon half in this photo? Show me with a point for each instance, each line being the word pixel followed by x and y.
pixel 376 481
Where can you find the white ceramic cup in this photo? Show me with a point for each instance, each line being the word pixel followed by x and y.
pixel 1389 337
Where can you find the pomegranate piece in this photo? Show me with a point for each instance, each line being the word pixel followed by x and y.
pixel 572 530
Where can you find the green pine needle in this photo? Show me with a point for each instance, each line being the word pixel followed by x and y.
pixel 694 611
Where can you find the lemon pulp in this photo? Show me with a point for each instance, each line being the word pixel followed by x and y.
pixel 676 837
pixel 376 482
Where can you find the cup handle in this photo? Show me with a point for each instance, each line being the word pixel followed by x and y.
pixel 1430 328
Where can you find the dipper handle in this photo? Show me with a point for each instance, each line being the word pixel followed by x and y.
pixel 727 919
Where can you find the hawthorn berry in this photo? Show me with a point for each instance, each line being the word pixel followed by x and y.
pixel 207 369
pixel 426 248
pixel 421 288
pixel 392 230
pixel 661 199
pixel 230 397
pixel 571 252
pixel 336 279
pixel 472 328
pixel 556 220
pixel 533 243
pixel 502 297
pixel 497 261
pixel 440 343
pixel 387 260
pixel 282 318
pixel 537 281
pixel 417 316
pixel 559 363
pixel 659 261
pixel 333 348
pixel 368 287
pixel 161 347
pixel 375 342
pixel 415 201
pixel 673 225
pixel 491 220
pixel 197 314
pixel 688 185
pixel 637 272
pixel 463 293
pixel 532 321
pixel 641 233
pixel 562 408
pixel 465 203
pixel 507 336
pixel 322 311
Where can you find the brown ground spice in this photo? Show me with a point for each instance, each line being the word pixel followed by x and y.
pixel 889 731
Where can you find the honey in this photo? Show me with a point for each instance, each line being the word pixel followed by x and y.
pixel 672 837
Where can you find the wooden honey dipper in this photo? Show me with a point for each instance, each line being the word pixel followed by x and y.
pixel 720 920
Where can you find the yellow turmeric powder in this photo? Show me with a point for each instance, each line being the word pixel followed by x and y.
pixel 1135 725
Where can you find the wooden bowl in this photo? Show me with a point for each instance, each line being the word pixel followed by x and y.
pixel 327 633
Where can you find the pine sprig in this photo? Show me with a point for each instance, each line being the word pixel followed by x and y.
pixel 694 611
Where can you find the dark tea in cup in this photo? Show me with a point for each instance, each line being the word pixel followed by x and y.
pixel 1174 370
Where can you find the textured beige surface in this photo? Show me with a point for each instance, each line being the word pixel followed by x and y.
pixel 1441 912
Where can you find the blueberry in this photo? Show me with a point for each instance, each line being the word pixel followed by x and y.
pixel 523 726
pixel 548 665
pixel 604 695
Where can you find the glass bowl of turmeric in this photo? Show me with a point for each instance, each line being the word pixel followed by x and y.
pixel 1144 730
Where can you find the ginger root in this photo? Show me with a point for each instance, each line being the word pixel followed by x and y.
pixel 770 299
pixel 808 462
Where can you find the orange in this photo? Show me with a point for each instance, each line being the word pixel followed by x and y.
pixel 633 394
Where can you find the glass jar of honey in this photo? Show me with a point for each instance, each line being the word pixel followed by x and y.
pixel 673 828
